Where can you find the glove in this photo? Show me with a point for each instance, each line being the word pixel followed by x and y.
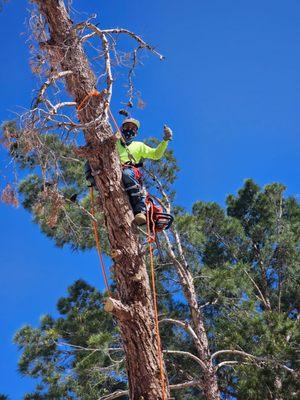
pixel 168 134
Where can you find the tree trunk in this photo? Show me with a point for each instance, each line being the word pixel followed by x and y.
pixel 209 382
pixel 134 307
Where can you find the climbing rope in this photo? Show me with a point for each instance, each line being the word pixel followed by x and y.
pixel 93 93
pixel 151 238
pixel 97 240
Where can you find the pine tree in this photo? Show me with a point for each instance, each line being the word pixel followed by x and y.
pixel 237 270
pixel 249 283
pixel 62 45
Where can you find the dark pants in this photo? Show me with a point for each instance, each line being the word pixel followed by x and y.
pixel 133 186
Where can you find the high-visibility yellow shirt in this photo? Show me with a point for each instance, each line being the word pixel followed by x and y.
pixel 140 150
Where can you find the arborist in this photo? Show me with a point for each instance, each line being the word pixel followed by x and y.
pixel 131 153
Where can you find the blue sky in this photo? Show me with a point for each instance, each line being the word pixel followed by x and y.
pixel 229 88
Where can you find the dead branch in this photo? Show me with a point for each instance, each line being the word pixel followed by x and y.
pixel 186 354
pixel 115 395
pixel 185 385
pixel 118 31
pixel 176 386
pixel 264 360
pixel 227 363
pixel 53 78
pixel 185 325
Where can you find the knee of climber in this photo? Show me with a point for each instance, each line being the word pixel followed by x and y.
pixel 128 176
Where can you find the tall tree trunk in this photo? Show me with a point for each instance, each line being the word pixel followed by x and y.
pixel 134 307
pixel 210 382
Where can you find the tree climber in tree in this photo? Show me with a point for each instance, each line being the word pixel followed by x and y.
pixel 131 153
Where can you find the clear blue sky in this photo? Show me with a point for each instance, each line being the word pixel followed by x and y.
pixel 229 88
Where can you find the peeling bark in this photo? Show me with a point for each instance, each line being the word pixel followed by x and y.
pixel 65 53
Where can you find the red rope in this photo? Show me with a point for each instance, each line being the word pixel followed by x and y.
pixel 93 93
pixel 151 239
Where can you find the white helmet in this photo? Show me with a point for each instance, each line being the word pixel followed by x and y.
pixel 133 121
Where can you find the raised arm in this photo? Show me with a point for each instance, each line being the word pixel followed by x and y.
pixel 158 152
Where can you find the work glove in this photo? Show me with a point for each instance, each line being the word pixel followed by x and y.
pixel 168 134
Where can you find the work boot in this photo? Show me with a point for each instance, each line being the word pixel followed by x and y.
pixel 140 219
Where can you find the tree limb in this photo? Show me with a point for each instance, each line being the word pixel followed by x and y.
pixel 187 354
pixel 49 82
pixel 264 360
pixel 185 325
pixel 115 395
pixel 176 386
pixel 118 31
pixel 115 307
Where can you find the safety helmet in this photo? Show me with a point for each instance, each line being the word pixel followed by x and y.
pixel 133 121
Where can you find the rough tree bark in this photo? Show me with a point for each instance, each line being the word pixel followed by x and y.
pixel 134 306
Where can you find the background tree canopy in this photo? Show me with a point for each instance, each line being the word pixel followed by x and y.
pixel 245 264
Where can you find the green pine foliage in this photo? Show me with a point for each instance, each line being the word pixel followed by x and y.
pixel 75 355
pixel 244 259
pixel 247 260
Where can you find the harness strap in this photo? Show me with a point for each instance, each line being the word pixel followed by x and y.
pixel 132 187
pixel 136 194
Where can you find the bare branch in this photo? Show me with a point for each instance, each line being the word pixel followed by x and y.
pixel 261 296
pixel 115 395
pixel 131 74
pixel 235 352
pixel 185 325
pixel 187 354
pixel 185 385
pixel 224 363
pixel 264 360
pixel 118 31
pixel 56 107
pixel 176 386
pixel 82 348
pixel 209 303
pixel 50 81
pixel 141 42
